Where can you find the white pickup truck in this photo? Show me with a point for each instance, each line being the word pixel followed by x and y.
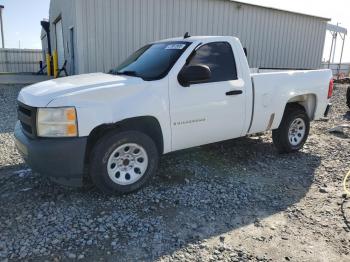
pixel 167 96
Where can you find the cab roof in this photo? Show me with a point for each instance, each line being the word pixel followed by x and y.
pixel 193 39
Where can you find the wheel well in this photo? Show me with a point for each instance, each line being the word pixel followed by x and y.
pixel 306 102
pixel 147 125
pixel 294 105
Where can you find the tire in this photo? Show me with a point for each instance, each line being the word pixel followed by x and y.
pixel 114 154
pixel 293 130
pixel 348 97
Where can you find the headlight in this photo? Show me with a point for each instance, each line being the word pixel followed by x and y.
pixel 57 122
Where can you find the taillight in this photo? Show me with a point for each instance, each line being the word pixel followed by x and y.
pixel 330 89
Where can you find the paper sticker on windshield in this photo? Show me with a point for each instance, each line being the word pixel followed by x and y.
pixel 175 47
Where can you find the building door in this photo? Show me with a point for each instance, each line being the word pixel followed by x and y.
pixel 44 48
pixel 59 43
pixel 71 39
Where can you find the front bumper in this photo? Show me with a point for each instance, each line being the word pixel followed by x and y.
pixel 329 108
pixel 61 159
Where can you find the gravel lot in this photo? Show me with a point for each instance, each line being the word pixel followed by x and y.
pixel 232 201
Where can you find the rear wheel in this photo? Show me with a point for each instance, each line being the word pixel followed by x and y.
pixel 348 97
pixel 293 130
pixel 123 162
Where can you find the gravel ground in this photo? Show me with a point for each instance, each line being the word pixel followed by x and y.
pixel 232 201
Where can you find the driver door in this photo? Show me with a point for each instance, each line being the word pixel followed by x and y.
pixel 209 111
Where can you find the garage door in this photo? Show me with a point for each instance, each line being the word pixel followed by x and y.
pixel 60 43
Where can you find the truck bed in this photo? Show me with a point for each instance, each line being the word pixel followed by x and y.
pixel 273 90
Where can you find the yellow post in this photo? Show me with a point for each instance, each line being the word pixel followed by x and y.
pixel 48 64
pixel 55 64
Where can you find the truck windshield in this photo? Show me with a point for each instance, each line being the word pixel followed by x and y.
pixel 152 62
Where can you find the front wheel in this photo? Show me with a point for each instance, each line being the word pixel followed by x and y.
pixel 348 97
pixel 123 162
pixel 293 130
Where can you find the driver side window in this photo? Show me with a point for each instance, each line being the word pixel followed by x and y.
pixel 219 58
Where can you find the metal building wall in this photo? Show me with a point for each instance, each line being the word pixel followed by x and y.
pixel 66 10
pixel 110 30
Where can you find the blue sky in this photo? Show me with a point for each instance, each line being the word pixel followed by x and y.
pixel 22 18
pixel 22 22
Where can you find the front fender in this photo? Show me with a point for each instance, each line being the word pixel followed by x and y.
pixel 112 105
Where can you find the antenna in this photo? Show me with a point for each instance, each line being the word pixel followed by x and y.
pixel 187 35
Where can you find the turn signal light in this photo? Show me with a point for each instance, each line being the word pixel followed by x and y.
pixel 72 130
pixel 70 114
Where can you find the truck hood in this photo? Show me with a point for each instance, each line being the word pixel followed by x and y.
pixel 41 94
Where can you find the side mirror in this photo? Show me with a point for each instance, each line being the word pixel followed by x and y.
pixel 194 74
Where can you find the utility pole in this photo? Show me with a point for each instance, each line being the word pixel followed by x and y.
pixel 2 26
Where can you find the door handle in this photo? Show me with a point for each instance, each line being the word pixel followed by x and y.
pixel 234 93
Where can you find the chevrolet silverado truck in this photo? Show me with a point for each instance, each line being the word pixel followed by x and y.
pixel 167 96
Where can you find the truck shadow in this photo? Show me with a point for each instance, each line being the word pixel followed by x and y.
pixel 198 194
pixel 347 116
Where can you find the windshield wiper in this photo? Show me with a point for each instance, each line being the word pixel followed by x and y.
pixel 128 73
pixel 112 72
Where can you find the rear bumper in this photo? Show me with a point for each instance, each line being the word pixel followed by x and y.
pixel 60 159
pixel 328 109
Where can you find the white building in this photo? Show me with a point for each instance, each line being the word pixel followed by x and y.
pixel 95 35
